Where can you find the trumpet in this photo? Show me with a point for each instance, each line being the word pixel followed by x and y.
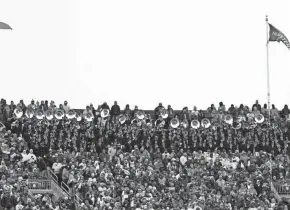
pixel 59 114
pixel 18 112
pixel 205 123
pixel 195 124
pixel 39 114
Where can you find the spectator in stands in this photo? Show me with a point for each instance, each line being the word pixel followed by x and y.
pixel 222 107
pixel 157 110
pixel 274 112
pixel 105 106
pixel 66 107
pixel 285 111
pixel 257 105
pixel 115 109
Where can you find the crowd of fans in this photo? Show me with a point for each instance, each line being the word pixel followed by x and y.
pixel 140 164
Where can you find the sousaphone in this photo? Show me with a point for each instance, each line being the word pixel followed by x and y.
pixel 140 114
pixel 259 118
pixel 39 114
pixel 174 123
pixel 59 114
pixel 89 117
pixel 71 114
pixel 195 124
pixel 205 123
pixel 164 113
pixel 105 113
pixel 229 119
pixel 236 125
pixel 78 117
pixel 18 112
pixel 122 119
pixel 48 114
pixel 29 113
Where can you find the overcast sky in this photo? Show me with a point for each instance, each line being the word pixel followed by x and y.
pixel 182 53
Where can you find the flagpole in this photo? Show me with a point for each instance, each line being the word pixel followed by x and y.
pixel 268 72
pixel 268 87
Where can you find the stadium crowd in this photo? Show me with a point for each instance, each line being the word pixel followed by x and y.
pixel 128 163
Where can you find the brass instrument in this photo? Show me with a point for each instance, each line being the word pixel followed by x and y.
pixel 71 114
pixel 78 117
pixel 164 113
pixel 236 125
pixel 89 117
pixel 195 124
pixel 122 119
pixel 29 113
pixel 18 112
pixel 39 114
pixel 59 114
pixel 205 123
pixel 229 119
pixel 184 123
pixel 105 113
pixel 174 123
pixel 49 114
pixel 259 118
pixel 140 114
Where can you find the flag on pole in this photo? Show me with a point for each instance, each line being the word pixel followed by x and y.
pixel 277 36
pixel 4 26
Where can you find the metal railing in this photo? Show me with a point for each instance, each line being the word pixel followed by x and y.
pixel 66 190
pixel 282 188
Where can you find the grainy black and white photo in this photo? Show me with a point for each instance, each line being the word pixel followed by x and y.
pixel 144 105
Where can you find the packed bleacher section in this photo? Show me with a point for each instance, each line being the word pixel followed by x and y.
pixel 218 158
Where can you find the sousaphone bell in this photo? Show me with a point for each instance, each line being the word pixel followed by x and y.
pixel 18 112
pixel 122 119
pixel 39 114
pixel 174 123
pixel 59 114
pixel 229 119
pixel 71 114
pixel 259 118
pixel 205 123
pixel 195 124
pixel 140 114
pixel 48 114
pixel 29 113
pixel 105 113
pixel 89 117
pixel 164 113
